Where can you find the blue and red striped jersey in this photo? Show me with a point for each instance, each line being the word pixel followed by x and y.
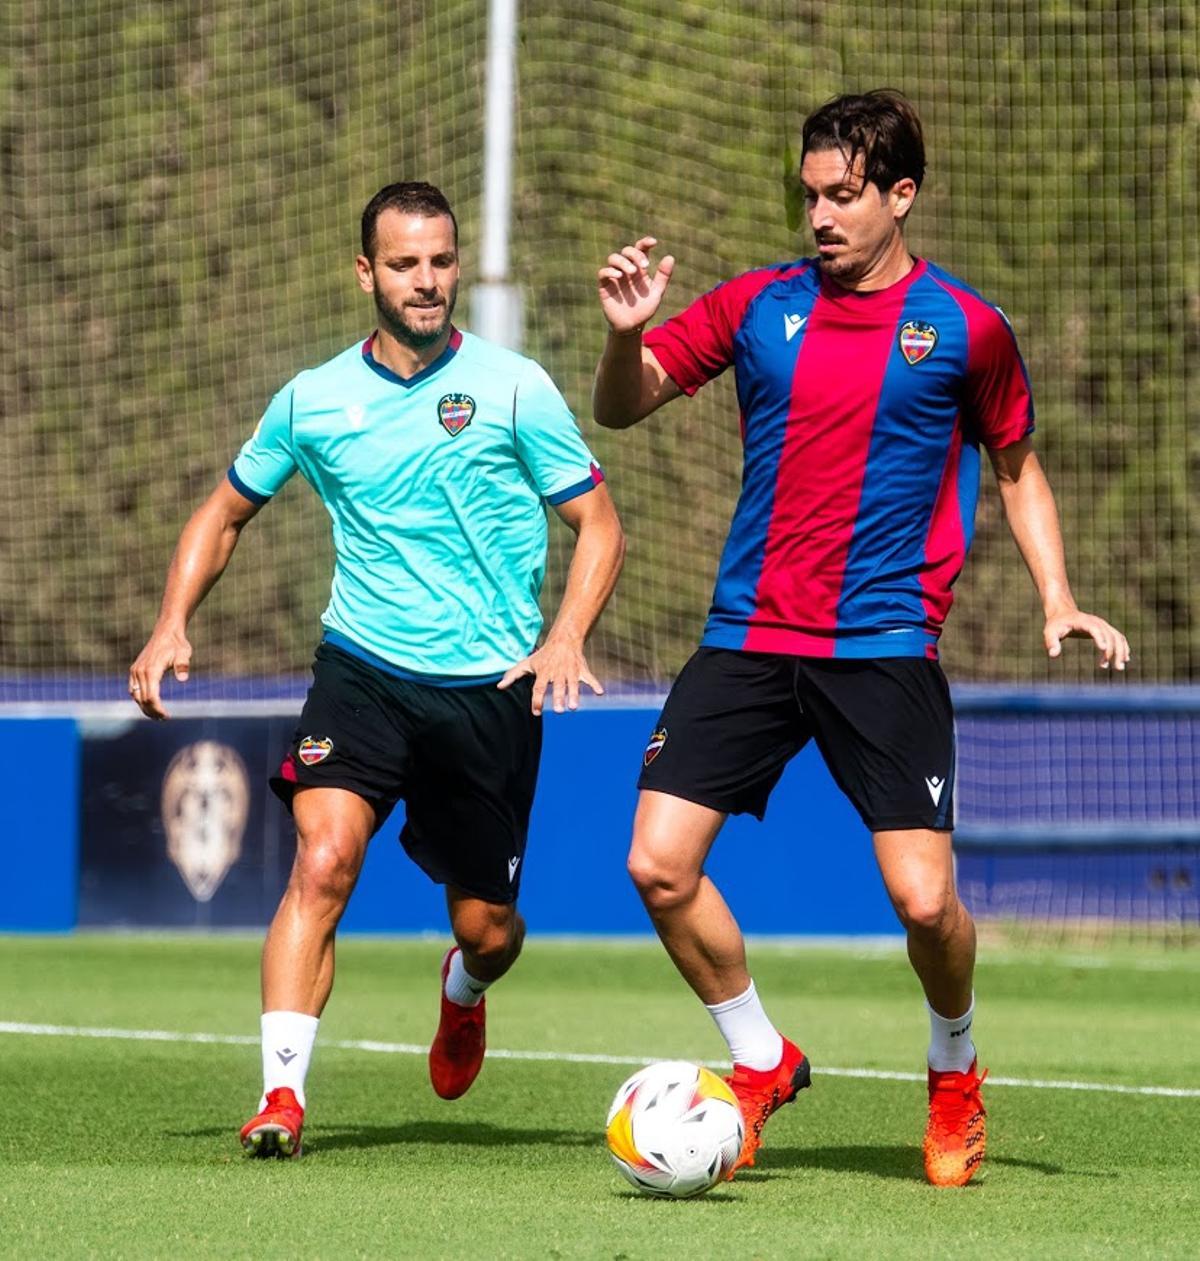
pixel 862 417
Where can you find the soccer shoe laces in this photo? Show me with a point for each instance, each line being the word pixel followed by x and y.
pixel 956 1106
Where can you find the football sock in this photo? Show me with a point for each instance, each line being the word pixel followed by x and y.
pixel 753 1039
pixel 951 1048
pixel 461 987
pixel 287 1044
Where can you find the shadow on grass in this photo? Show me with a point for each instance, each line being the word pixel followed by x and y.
pixel 466 1133
pixel 722 1193
pixel 903 1163
pixel 463 1133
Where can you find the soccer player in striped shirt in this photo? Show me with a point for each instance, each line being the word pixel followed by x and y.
pixel 867 380
pixel 435 455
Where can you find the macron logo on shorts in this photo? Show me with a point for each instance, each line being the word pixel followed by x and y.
pixel 935 786
pixel 513 864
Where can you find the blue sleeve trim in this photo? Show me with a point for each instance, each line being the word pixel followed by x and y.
pixel 579 488
pixel 244 490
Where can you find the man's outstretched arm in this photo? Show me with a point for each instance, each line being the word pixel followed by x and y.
pixel 1033 519
pixel 559 664
pixel 630 382
pixel 203 551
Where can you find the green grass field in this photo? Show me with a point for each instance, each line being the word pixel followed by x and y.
pixel 114 1147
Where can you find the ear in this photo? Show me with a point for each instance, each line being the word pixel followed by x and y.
pixel 902 195
pixel 365 273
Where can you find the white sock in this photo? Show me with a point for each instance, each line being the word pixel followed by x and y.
pixel 753 1040
pixel 461 987
pixel 287 1044
pixel 951 1048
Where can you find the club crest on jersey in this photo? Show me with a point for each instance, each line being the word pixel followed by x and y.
pixel 917 340
pixel 314 749
pixel 455 412
pixel 654 748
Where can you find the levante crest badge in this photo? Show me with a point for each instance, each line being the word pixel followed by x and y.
pixel 917 340
pixel 654 748
pixel 314 749
pixel 455 412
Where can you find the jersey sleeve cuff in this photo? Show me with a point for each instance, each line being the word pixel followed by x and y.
pixel 247 492
pixel 1010 439
pixel 593 479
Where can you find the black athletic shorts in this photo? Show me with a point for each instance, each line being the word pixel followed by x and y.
pixel 463 759
pixel 734 720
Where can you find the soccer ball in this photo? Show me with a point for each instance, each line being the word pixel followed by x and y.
pixel 675 1129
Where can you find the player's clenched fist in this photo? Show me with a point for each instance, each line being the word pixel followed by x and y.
pixel 629 294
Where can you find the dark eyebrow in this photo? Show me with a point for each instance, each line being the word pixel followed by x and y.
pixel 391 259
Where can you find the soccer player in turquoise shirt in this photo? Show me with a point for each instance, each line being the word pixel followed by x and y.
pixel 435 454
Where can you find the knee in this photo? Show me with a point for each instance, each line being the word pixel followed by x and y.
pixel 661 885
pixel 930 912
pixel 325 872
pixel 490 933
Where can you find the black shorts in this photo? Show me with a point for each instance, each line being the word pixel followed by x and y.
pixel 734 720
pixel 463 759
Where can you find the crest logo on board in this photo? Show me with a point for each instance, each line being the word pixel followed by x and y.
pixel 314 749
pixel 205 804
pixel 455 412
pixel 917 340
pixel 654 748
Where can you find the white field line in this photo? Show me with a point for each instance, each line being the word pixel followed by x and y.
pixel 558 1057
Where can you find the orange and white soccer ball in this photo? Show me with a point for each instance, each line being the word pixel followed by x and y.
pixel 675 1129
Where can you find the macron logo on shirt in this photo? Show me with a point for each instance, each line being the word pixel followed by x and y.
pixel 792 324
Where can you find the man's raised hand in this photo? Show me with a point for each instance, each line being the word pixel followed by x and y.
pixel 629 294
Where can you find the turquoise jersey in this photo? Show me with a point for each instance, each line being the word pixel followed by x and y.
pixel 437 488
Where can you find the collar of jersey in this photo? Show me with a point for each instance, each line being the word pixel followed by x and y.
pixel 436 366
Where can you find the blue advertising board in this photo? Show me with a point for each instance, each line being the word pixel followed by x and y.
pixel 38 893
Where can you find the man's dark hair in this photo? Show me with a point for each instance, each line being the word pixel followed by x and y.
pixel 880 126
pixel 411 198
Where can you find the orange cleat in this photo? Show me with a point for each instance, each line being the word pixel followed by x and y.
pixel 956 1136
pixel 761 1093
pixel 276 1129
pixel 456 1055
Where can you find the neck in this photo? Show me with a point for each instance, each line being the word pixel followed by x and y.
pixel 405 360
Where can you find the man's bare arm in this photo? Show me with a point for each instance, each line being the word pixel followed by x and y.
pixel 559 664
pixel 1033 519
pixel 203 551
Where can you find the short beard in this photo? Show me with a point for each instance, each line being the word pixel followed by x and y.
pixel 393 320
pixel 838 268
